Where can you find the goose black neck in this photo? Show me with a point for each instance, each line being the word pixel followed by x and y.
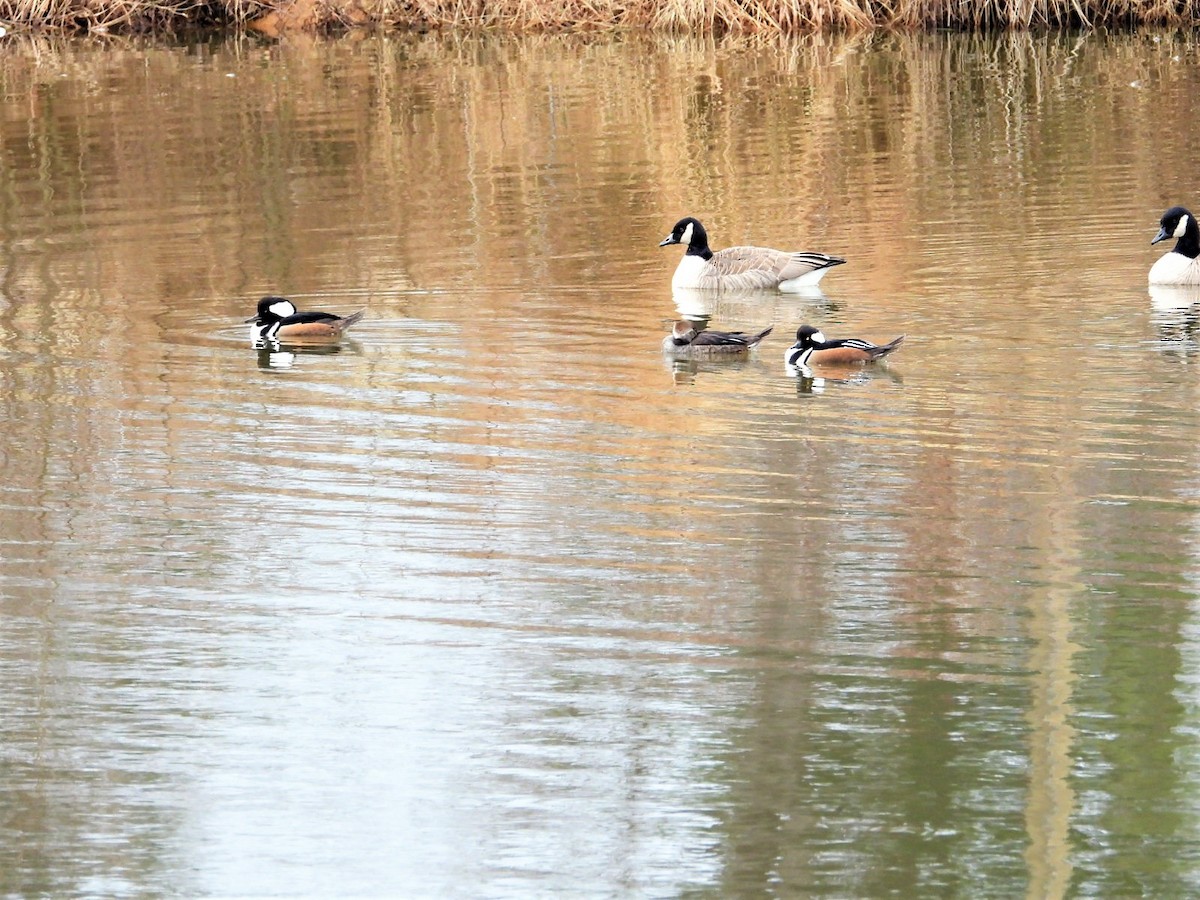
pixel 698 241
pixel 1189 244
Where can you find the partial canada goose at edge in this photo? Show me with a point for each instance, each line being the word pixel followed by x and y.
pixel 1181 266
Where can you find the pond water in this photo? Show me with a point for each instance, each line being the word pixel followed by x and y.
pixel 493 599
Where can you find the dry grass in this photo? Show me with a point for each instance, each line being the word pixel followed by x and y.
pixel 126 15
pixel 775 16
pixel 678 16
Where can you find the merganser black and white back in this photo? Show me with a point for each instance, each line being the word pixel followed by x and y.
pixel 742 268
pixel 686 339
pixel 277 318
pixel 813 349
pixel 1182 264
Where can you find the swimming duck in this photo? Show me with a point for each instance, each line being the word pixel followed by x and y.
pixel 277 318
pixel 742 268
pixel 686 340
pixel 811 348
pixel 1182 264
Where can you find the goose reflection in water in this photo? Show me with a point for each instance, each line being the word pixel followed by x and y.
pixel 700 306
pixel 1175 311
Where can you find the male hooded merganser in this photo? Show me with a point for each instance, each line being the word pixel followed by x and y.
pixel 742 268
pixel 685 340
pixel 1182 264
pixel 277 318
pixel 812 349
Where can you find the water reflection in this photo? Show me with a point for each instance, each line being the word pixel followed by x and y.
pixel 702 306
pixel 685 369
pixel 284 354
pixel 815 379
pixel 491 577
pixel 1176 312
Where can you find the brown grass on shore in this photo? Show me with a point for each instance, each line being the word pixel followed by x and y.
pixel 127 15
pixel 678 16
pixel 772 16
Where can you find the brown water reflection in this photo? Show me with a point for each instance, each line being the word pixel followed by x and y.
pixel 493 598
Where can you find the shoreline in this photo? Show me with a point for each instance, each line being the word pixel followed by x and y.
pixel 715 17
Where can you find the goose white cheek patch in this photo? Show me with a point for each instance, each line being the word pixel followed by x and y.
pixel 686 237
pixel 1181 227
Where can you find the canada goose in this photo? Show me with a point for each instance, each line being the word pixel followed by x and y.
pixel 1181 265
pixel 811 349
pixel 277 318
pixel 686 340
pixel 742 268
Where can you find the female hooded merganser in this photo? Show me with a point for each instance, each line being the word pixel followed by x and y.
pixel 742 268
pixel 685 340
pixel 812 349
pixel 277 318
pixel 1182 264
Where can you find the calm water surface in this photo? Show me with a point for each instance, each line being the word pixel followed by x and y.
pixel 492 599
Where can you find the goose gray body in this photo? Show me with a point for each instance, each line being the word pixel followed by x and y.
pixel 742 268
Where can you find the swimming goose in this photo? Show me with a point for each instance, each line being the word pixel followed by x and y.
pixel 685 340
pixel 742 268
pixel 812 349
pixel 277 318
pixel 1182 264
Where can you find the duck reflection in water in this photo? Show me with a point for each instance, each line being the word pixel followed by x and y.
pixel 284 354
pixel 684 369
pixel 274 357
pixel 809 381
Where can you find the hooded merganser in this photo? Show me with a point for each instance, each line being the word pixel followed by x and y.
pixel 686 340
pixel 1182 264
pixel 742 268
pixel 811 348
pixel 277 318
